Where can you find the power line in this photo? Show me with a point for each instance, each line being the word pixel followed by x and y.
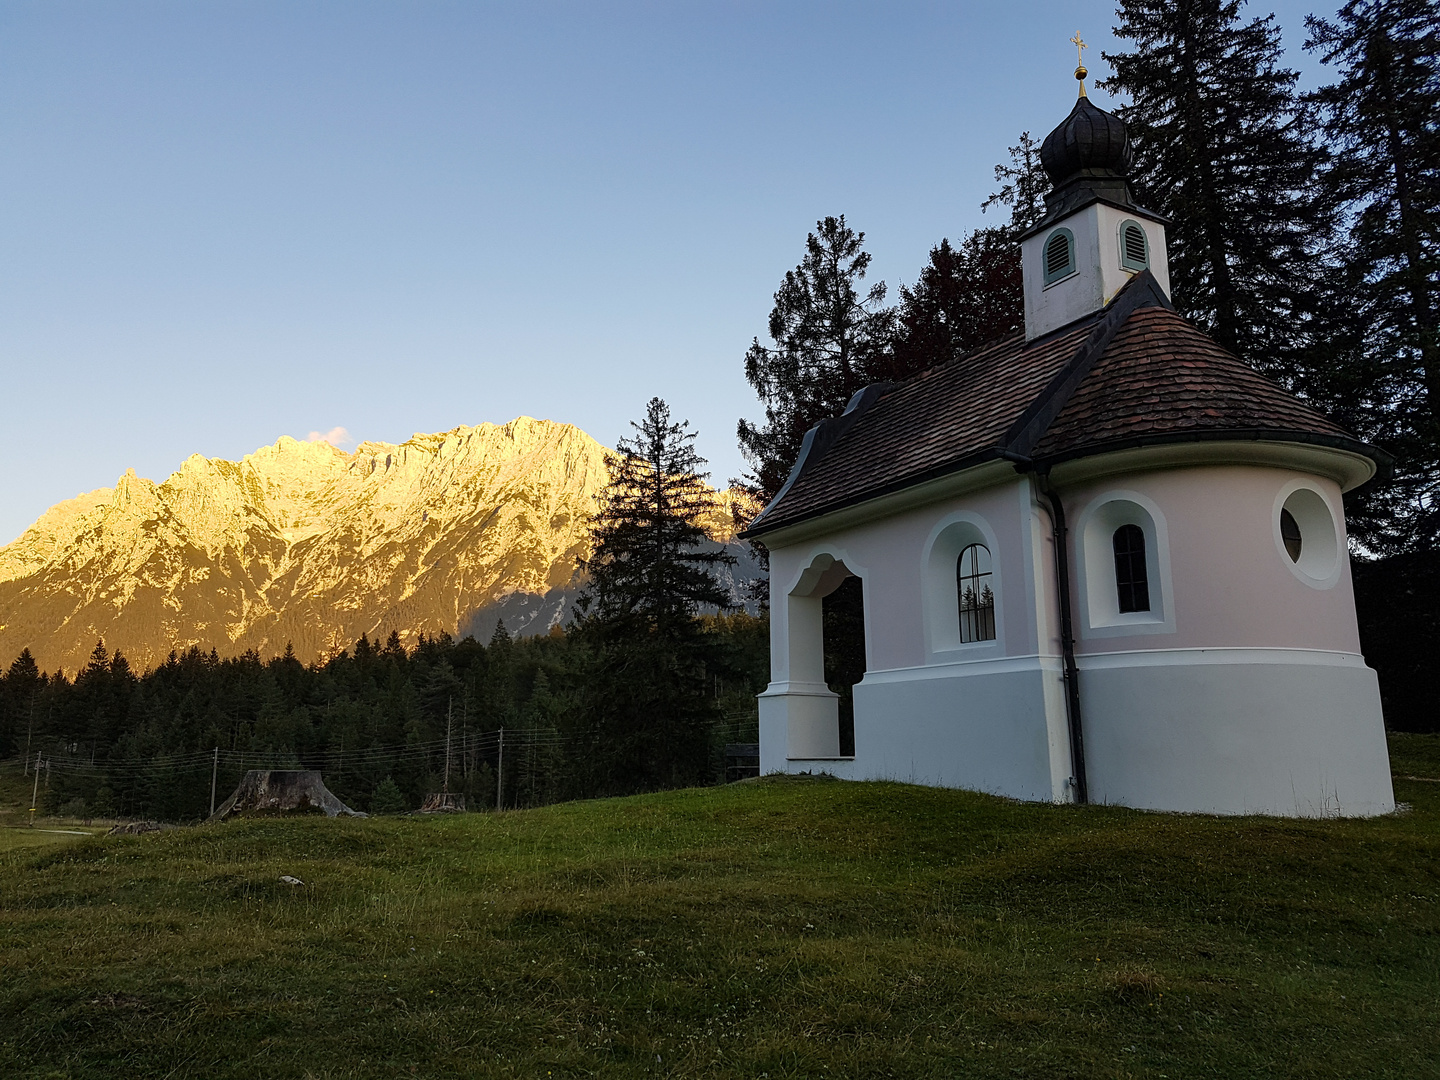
pixel 359 758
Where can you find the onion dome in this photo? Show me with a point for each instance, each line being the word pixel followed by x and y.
pixel 1089 142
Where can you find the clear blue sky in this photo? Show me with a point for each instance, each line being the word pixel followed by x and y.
pixel 225 222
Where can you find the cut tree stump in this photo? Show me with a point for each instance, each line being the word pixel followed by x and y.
pixel 275 792
pixel 444 802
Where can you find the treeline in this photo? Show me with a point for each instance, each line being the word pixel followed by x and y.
pixel 374 719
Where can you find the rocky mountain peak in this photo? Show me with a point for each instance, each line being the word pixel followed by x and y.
pixel 301 542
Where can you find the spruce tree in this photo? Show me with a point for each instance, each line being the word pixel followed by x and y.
pixel 645 712
pixel 20 686
pixel 831 337
pixel 1023 186
pixel 1224 148
pixel 653 564
pixel 1382 119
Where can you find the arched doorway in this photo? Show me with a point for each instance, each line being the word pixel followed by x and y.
pixel 844 637
pixel 826 657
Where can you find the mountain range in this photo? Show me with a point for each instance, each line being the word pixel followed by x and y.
pixel 303 544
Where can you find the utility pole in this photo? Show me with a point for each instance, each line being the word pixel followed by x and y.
pixel 466 765
pixel 214 772
pixel 35 794
pixel 500 775
pixel 30 730
pixel 449 724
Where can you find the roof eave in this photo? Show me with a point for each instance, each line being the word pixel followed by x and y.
pixel 1354 463
pixel 912 482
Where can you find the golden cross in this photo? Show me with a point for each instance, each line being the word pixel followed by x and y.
pixel 1080 71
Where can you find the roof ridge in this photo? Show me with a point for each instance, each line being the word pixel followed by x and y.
pixel 1025 433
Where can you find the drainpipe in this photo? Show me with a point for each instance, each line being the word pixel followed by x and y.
pixel 1071 674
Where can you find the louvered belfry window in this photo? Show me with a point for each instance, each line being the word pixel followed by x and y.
pixel 977 598
pixel 1134 249
pixel 1059 255
pixel 1132 579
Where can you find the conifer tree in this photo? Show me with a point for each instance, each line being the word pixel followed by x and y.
pixel 19 687
pixel 645 714
pixel 1224 148
pixel 1023 186
pixel 653 564
pixel 831 337
pixel 1382 119
pixel 965 296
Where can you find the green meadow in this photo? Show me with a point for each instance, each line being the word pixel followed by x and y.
pixel 774 928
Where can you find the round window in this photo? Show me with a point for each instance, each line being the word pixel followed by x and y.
pixel 1309 537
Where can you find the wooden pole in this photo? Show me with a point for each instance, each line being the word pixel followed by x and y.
pixel 500 775
pixel 35 794
pixel 214 772
pixel 449 724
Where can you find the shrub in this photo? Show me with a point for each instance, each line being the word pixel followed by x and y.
pixel 387 798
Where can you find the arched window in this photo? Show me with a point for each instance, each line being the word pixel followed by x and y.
pixel 1059 255
pixel 977 599
pixel 1132 580
pixel 1134 250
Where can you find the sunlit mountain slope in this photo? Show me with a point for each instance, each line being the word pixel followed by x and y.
pixel 303 543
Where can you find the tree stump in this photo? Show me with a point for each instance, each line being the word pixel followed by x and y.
pixel 444 802
pixel 277 792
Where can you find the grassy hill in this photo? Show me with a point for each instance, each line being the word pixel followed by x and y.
pixel 780 928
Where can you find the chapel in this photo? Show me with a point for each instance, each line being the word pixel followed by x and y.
pixel 1102 560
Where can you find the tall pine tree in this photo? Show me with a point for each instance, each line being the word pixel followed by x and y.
pixel 653 564
pixel 1225 149
pixel 645 710
pixel 1382 119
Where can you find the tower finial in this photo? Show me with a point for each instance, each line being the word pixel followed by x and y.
pixel 1080 71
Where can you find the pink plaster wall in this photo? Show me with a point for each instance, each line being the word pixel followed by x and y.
pixel 1232 587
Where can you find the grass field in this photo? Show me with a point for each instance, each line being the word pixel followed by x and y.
pixel 778 928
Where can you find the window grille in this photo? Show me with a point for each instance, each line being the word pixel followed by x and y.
pixel 1132 580
pixel 977 598
pixel 1290 534
pixel 1059 255
pixel 1134 249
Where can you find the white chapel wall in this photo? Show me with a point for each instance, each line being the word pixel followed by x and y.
pixel 987 715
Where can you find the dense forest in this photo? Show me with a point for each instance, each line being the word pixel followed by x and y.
pixel 374 718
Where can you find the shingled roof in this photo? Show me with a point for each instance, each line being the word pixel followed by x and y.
pixel 1132 374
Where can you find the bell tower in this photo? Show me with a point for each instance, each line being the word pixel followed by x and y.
pixel 1093 237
